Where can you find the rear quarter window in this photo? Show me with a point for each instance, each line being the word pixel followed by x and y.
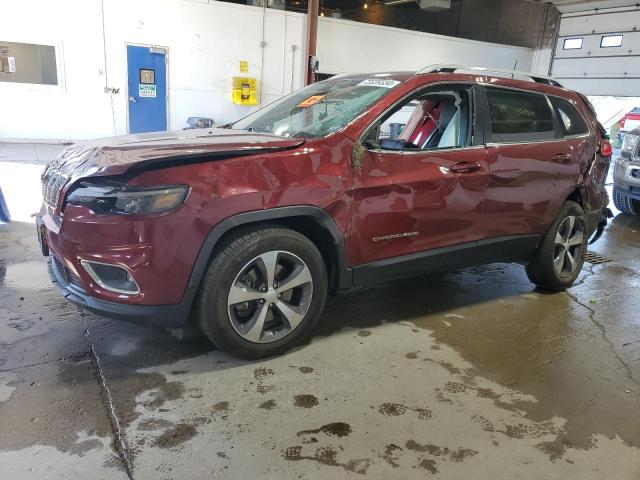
pixel 571 122
pixel 517 116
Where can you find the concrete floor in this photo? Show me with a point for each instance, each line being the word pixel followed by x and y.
pixel 472 374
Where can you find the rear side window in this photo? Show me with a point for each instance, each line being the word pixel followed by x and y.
pixel 571 123
pixel 519 116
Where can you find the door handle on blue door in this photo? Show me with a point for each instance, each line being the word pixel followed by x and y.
pixel 131 99
pixel 465 167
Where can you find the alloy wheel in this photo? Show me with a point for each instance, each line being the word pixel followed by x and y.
pixel 270 296
pixel 568 246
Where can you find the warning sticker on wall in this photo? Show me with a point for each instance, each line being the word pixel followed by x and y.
pixel 244 66
pixel 378 82
pixel 147 91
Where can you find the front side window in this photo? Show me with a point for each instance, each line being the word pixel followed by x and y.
pixel 519 116
pixel 319 109
pixel 571 122
pixel 433 120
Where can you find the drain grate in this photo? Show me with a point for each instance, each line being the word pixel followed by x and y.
pixel 595 258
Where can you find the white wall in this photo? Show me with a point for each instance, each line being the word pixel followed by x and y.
pixel 205 41
pixel 205 45
pixel 351 47
pixel 77 104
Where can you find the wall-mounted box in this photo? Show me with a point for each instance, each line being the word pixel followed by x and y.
pixel 244 91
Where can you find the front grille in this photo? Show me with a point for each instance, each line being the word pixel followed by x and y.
pixel 60 269
pixel 52 184
pixel 66 275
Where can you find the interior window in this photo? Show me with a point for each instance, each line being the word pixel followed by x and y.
pixel 430 121
pixel 571 122
pixel 519 116
pixel 572 43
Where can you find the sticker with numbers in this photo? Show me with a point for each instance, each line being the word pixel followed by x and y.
pixel 378 82
pixel 147 91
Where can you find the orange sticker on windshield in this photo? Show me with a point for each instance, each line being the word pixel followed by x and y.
pixel 311 101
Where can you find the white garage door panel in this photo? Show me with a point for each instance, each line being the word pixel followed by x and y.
pixel 591 46
pixel 612 67
pixel 609 87
pixel 611 21
pixel 596 70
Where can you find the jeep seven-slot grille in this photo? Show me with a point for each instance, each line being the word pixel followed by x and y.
pixel 52 184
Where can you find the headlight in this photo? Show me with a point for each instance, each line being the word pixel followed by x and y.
pixel 629 145
pixel 119 200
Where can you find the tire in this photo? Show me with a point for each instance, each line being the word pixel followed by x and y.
pixel 561 254
pixel 263 324
pixel 625 203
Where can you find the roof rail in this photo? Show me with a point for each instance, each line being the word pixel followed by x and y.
pixel 502 73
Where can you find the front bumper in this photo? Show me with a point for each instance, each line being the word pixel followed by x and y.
pixel 161 316
pixel 72 287
pixel 626 177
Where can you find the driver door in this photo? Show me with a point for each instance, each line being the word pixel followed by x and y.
pixel 420 190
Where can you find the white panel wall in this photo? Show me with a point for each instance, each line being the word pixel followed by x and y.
pixel 351 47
pixel 600 71
pixel 205 44
pixel 205 41
pixel 74 28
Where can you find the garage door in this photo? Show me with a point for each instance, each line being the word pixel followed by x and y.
pixel 598 52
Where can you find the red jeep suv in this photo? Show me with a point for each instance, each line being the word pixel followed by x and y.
pixel 358 179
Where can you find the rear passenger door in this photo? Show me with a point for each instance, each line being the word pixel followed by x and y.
pixel 531 166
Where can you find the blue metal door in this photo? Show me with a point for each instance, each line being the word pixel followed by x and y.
pixel 147 89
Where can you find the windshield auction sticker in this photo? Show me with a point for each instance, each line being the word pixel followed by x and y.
pixel 311 101
pixel 378 82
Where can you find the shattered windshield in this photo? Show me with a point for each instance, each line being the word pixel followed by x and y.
pixel 319 109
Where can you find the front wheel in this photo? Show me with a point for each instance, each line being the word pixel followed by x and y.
pixel 263 293
pixel 625 203
pixel 561 254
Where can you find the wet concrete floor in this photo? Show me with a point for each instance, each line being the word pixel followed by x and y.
pixel 470 374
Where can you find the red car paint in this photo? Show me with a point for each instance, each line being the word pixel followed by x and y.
pixel 510 189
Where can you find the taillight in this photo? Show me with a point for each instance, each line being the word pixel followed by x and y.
pixel 604 149
pixel 622 123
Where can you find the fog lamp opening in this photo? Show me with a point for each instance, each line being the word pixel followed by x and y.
pixel 111 277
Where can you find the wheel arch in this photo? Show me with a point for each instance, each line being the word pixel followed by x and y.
pixel 577 194
pixel 313 222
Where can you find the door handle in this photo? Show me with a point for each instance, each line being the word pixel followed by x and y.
pixel 131 99
pixel 465 167
pixel 563 158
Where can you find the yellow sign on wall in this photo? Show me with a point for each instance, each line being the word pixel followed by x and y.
pixel 244 66
pixel 244 91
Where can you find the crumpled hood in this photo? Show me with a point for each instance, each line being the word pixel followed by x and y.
pixel 117 155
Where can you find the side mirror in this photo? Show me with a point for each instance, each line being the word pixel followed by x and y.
pixel 370 144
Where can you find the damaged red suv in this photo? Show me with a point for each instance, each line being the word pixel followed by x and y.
pixel 359 179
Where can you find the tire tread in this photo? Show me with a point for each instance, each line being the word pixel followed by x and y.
pixel 540 271
pixel 233 247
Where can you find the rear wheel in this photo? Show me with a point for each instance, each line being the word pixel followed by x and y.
pixel 626 204
pixel 262 293
pixel 561 254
